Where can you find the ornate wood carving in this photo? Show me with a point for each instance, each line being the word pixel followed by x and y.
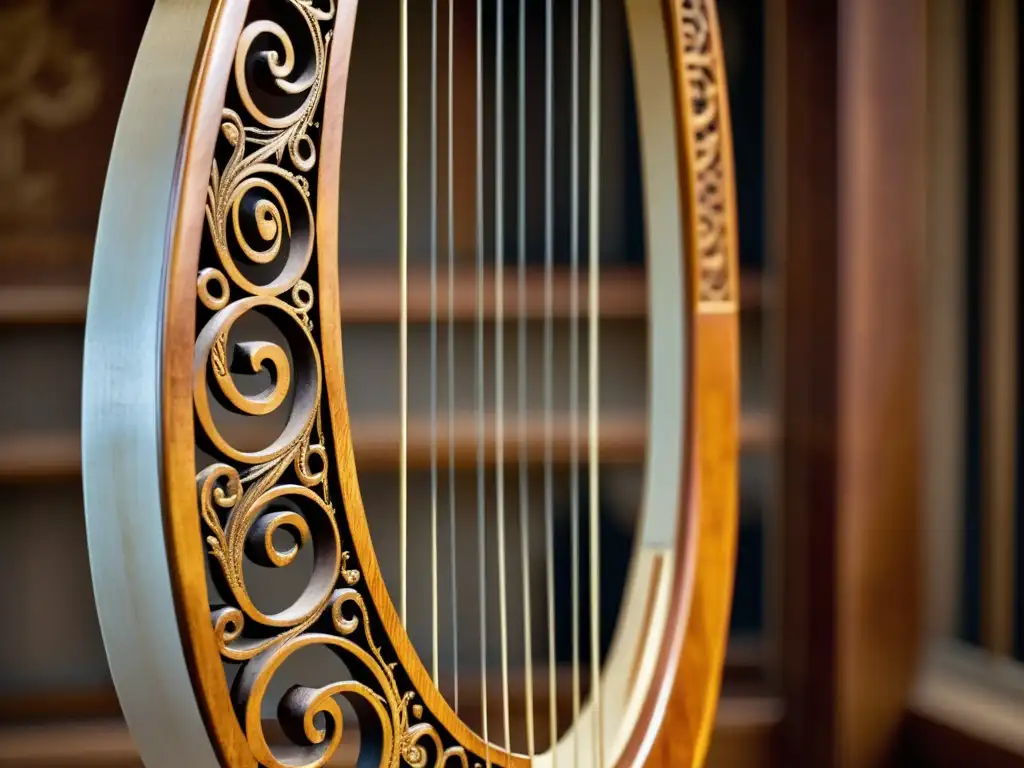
pixel 261 213
pixel 706 93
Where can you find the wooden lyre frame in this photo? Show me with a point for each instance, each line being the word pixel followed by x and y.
pixel 157 333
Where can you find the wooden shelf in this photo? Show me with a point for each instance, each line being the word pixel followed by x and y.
pixel 75 743
pixel 370 295
pixel 745 732
pixel 40 457
pixel 43 305
pixel 623 441
pixel 376 441
pixel 59 704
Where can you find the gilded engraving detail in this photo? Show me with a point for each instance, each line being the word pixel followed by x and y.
pixel 701 69
pixel 259 260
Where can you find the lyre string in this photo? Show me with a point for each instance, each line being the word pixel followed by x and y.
pixel 574 362
pixel 403 326
pixel 481 497
pixel 433 340
pixel 499 352
pixel 549 250
pixel 451 349
pixel 524 480
pixel 593 402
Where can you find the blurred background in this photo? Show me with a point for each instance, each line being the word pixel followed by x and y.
pixel 878 615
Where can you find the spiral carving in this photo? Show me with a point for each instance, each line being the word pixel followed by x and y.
pixel 702 70
pixel 259 259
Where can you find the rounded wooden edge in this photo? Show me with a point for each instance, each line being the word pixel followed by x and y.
pixel 663 559
pixel 716 413
pixel 680 713
pixel 334 383
pixel 132 540
pixel 182 520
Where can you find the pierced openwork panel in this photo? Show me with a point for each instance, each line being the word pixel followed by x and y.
pixel 260 256
pixel 704 73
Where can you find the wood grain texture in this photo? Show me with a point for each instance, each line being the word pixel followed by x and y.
pixel 690 714
pixel 689 717
pixel 852 251
pixel 882 247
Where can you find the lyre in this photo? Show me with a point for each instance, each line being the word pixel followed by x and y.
pixel 219 226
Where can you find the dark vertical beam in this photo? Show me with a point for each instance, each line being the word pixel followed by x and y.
pixel 803 220
pixel 999 347
pixel 851 248
pixel 882 245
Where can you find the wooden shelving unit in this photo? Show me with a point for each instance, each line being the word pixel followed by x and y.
pixel 370 295
pixel 745 725
pixel 31 458
pixel 623 441
pixel 49 730
pixel 43 305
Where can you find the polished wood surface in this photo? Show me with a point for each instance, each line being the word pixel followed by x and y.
pixel 695 642
pixel 851 245
pixel 882 255
pixel 690 713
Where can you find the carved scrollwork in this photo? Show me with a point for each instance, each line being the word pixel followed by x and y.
pixel 259 258
pixel 701 67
